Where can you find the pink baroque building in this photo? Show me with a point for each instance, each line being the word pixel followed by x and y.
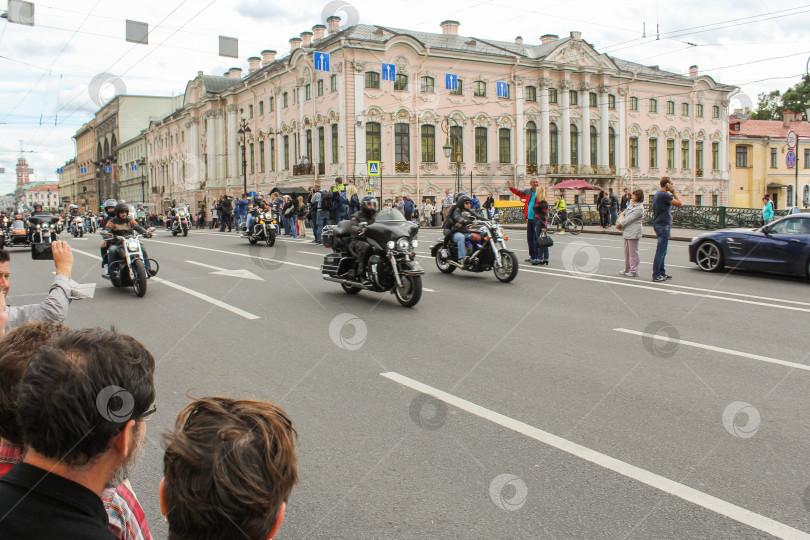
pixel 553 111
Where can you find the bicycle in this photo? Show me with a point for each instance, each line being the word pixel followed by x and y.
pixel 570 224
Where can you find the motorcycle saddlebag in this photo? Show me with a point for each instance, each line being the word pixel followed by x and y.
pixel 328 238
pixel 330 265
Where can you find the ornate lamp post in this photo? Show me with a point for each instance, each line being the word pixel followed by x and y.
pixel 448 150
pixel 244 129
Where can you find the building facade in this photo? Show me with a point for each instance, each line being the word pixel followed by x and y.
pixel 758 150
pixel 45 194
pixel 132 170
pixel 86 195
pixel 68 178
pixel 552 111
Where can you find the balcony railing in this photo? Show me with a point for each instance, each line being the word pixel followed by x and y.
pixel 402 167
pixel 302 170
pixel 699 173
pixel 531 168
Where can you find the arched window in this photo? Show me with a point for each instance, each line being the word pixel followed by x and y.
pixel 552 142
pixel 789 196
pixel 428 85
pixel 372 79
pixel 457 142
pixel 106 147
pixel 373 142
pixel 401 82
pixel 480 145
pixel 594 146
pixel 531 143
pixel 612 147
pixel 806 196
pixel 505 145
pixel 574 144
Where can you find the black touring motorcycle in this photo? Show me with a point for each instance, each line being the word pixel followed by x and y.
pixel 391 266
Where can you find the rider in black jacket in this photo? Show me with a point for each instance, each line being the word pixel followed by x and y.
pixel 122 225
pixel 368 209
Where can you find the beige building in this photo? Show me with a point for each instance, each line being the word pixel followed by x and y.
pixel 758 165
pixel 86 195
pixel 132 173
pixel 68 177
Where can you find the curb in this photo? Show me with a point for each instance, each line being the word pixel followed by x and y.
pixel 613 233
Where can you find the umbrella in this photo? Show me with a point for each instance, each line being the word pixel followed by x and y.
pixel 575 184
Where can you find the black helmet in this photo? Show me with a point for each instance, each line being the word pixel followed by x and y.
pixel 459 195
pixel 462 200
pixel 369 204
pixel 121 207
pixel 174 201
pixel 109 205
pixel 37 204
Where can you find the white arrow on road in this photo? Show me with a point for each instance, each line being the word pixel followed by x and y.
pixel 241 273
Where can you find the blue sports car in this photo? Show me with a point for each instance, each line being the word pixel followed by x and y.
pixel 781 247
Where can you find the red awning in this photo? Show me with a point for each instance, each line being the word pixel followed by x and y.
pixel 574 184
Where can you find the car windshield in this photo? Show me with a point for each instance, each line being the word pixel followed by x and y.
pixel 791 226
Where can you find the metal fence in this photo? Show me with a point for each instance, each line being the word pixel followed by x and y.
pixel 686 217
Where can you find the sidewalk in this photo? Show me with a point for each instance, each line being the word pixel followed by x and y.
pixel 678 235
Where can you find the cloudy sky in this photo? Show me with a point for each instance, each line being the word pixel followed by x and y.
pixel 47 89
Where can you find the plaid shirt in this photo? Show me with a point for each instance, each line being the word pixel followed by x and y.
pixel 448 201
pixel 127 519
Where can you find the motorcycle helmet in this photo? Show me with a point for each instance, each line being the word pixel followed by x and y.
pixel 174 202
pixel 459 195
pixel 462 200
pixel 121 207
pixel 18 216
pixel 109 205
pixel 369 204
pixel 39 206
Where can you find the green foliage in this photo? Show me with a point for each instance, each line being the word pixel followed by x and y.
pixel 797 99
pixel 771 105
pixel 768 106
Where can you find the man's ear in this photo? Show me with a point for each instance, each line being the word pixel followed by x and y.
pixel 124 441
pixel 279 519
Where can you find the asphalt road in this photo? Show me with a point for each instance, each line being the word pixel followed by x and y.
pixel 571 403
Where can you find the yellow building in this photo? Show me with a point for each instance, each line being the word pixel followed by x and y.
pixel 758 162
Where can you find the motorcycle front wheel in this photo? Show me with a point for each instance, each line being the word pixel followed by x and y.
pixel 411 291
pixel 174 232
pixel 443 264
pixel 185 232
pixel 139 283
pixel 508 269
pixel 271 238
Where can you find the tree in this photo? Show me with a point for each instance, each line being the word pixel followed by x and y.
pixel 769 106
pixel 797 99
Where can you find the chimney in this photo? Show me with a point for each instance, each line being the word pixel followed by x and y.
pixel 519 40
pixel 576 36
pixel 306 38
pixel 268 57
pixel 295 43
pixel 548 38
pixel 199 74
pixel 693 72
pixel 333 23
pixel 235 73
pixel 788 117
pixel 450 28
pixel 318 31
pixel 254 63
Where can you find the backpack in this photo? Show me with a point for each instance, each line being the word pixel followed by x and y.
pixel 339 201
pixel 326 201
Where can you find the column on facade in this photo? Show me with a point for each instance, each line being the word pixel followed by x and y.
pixel 585 108
pixel 232 144
pixel 193 145
pixel 604 127
pixel 208 167
pixel 520 125
pixel 621 136
pixel 359 105
pixel 564 131
pixel 219 146
pixel 545 130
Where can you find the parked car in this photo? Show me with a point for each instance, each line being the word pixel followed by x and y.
pixel 781 247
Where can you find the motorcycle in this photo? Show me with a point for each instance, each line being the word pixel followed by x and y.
pixel 180 223
pixel 17 234
pixel 265 229
pixel 42 228
pixel 90 224
pixel 78 227
pixel 130 266
pixel 486 247
pixel 391 265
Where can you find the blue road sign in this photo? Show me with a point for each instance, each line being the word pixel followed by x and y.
pixel 134 167
pixel 451 82
pixel 59 170
pixel 107 169
pixel 503 90
pixel 389 72
pixel 790 159
pixel 251 193
pixel 374 168
pixel 321 61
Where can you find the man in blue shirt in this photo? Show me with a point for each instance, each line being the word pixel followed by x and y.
pixel 663 202
pixel 532 228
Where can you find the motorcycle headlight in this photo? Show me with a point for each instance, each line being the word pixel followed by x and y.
pixel 415 244
pixel 403 244
pixel 391 245
pixel 132 245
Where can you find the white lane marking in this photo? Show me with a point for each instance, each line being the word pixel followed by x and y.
pixel 671 487
pixel 238 254
pixel 199 295
pixel 79 239
pixel 660 288
pixel 716 349
pixel 206 298
pixel 239 273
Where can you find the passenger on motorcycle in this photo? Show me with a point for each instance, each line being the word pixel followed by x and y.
pixel 122 225
pixel 359 244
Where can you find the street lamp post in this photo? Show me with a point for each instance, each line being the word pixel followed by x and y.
pixel 448 150
pixel 141 163
pixel 244 129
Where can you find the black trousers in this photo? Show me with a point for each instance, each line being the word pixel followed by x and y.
pixel 363 250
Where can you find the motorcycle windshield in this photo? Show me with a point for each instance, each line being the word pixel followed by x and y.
pixel 386 231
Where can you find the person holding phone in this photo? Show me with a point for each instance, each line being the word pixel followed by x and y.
pixel 55 306
pixel 663 202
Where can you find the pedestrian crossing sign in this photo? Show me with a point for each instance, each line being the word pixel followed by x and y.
pixel 374 168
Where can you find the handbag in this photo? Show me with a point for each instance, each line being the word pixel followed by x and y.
pixel 544 240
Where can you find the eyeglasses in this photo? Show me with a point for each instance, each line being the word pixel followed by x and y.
pixel 148 414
